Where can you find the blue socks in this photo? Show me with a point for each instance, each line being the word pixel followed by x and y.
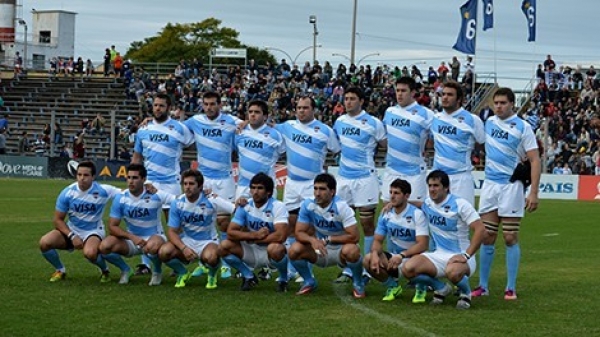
pixel 304 271
pixel 513 256
pixel 156 263
pixel 52 257
pixel 146 260
pixel 368 243
pixel 463 285
pixel 282 267
pixel 100 262
pixel 117 260
pixel 486 257
pixel 390 282
pixel 223 262
pixel 428 281
pixel 177 266
pixel 238 264
pixel 357 269
pixel 288 243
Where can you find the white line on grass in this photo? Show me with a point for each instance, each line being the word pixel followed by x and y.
pixel 382 317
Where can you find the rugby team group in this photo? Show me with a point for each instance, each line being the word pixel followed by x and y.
pixel 427 231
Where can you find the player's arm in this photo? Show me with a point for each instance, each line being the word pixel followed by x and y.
pixel 351 235
pixel 477 237
pixel 277 236
pixel 421 245
pixel 60 224
pixel 174 238
pixel 532 201
pixel 303 234
pixel 376 249
pixel 175 227
pixel 235 232
pixel 137 158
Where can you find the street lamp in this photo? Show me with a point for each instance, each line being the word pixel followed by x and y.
pixel 342 55
pixel 293 60
pixel 24 24
pixel 364 57
pixel 313 19
pixel 353 43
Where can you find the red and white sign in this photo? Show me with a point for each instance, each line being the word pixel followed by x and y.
pixel 589 188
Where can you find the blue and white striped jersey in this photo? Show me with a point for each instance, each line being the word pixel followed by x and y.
pixel 142 214
pixel 449 223
pixel 402 229
pixel 271 213
pixel 214 143
pixel 258 152
pixel 328 221
pixel 306 146
pixel 358 136
pixel 198 220
pixel 85 208
pixel 506 144
pixel 454 138
pixel 162 145
pixel 407 131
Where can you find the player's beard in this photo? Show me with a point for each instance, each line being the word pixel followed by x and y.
pixel 161 118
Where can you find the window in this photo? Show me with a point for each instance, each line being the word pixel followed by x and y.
pixel 45 36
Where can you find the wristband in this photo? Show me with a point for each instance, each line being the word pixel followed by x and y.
pixel 184 247
pixel 71 236
pixel 467 256
pixel 327 240
pixel 403 256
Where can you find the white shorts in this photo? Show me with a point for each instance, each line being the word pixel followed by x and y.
pixel 224 188
pixel 418 185
pixel 440 259
pixel 508 199
pixel 136 250
pixel 296 192
pixel 462 185
pixel 85 234
pixel 255 256
pixel 359 192
pixel 198 245
pixel 174 189
pixel 332 258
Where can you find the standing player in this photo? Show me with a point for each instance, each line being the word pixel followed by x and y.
pixel 141 211
pixel 192 230
pixel 159 146
pixel 259 147
pixel 327 235
pixel 455 132
pixel 450 218
pixel 407 125
pixel 83 202
pixel 256 235
pixel 214 134
pixel 307 141
pixel 359 134
pixel 406 229
pixel 509 141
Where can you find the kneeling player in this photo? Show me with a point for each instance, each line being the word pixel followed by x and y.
pixel 141 211
pixel 405 228
pixel 192 230
pixel 256 235
pixel 326 235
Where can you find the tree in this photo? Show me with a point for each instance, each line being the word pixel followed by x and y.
pixel 191 40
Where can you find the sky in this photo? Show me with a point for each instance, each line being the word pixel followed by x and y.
pixel 402 32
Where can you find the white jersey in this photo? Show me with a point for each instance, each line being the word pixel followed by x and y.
pixel 142 214
pixel 358 136
pixel 407 130
pixel 506 144
pixel 454 138
pixel 402 228
pixel 258 152
pixel 161 145
pixel 449 223
pixel 306 146
pixel 85 208
pixel 214 143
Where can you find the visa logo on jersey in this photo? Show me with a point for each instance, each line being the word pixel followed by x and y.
pixel 437 220
pixel 159 138
pixel 302 139
pixel 401 232
pixel 256 225
pixel 351 131
pixel 193 218
pixel 211 133
pixel 401 122
pixel 325 224
pixel 138 213
pixel 253 144
pixel 499 134
pixel 447 130
pixel 85 207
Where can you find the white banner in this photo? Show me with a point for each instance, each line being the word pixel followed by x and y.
pixel 229 52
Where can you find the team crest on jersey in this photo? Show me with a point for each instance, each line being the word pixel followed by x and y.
pixel 95 195
pixel 364 121
pixel 202 205
pixel 332 212
pixel 409 219
pixel 266 134
pixel 460 119
pixel 147 198
pixel 268 214
pixel 446 208
pixel 317 129
pixel 513 124
pixel 222 121
pixel 413 112
pixel 171 127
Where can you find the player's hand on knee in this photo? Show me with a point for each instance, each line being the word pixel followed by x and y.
pixel 395 261
pixel 77 242
pixel 458 258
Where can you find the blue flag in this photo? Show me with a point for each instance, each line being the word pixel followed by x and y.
pixel 528 8
pixel 488 14
pixel 465 42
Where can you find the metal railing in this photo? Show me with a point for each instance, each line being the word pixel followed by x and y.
pixel 487 83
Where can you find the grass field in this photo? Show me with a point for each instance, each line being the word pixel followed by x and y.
pixel 558 289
